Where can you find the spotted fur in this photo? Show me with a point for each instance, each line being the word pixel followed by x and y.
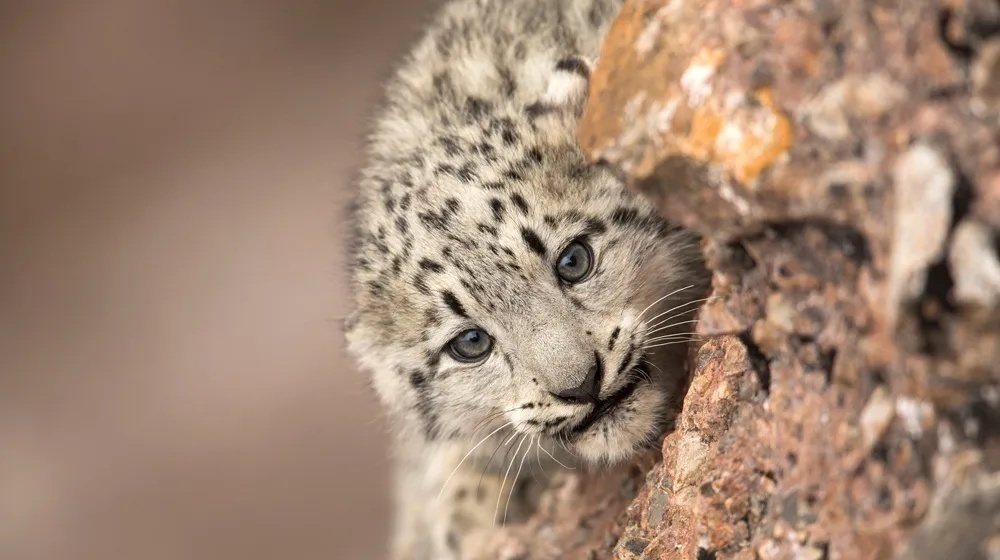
pixel 474 186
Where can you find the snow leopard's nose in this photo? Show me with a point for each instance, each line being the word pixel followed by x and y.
pixel 589 390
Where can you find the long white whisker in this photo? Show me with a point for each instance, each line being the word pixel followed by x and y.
pixel 670 336
pixel 514 482
pixel 672 309
pixel 669 343
pixel 660 331
pixel 672 339
pixel 482 423
pixel 447 480
pixel 503 443
pixel 538 457
pixel 504 483
pixel 661 326
pixel 666 320
pixel 563 445
pixel 554 458
pixel 661 299
pixel 651 364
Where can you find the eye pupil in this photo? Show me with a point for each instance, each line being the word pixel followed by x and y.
pixel 575 262
pixel 470 345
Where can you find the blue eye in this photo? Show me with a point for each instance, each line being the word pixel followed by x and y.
pixel 471 345
pixel 575 262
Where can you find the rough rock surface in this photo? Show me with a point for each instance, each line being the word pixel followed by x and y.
pixel 842 160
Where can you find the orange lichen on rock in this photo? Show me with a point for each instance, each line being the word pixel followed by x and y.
pixel 744 141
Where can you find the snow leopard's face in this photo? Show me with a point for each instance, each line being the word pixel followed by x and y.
pixel 503 284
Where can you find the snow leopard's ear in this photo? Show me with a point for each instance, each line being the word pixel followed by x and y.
pixel 567 91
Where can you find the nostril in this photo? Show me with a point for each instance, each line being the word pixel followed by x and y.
pixel 589 391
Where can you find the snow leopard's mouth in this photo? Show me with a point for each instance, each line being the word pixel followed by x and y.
pixel 607 406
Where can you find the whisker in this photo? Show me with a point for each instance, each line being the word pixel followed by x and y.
pixel 504 482
pixel 672 309
pixel 678 315
pixel 644 375
pixel 669 343
pixel 538 457
pixel 513 483
pixel 443 486
pixel 492 416
pixel 669 336
pixel 661 298
pixel 501 444
pixel 689 337
pixel 651 364
pixel 563 444
pixel 662 327
pixel 554 458
pixel 687 333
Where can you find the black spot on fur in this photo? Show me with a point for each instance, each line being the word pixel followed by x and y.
pixel 425 404
pixel 554 422
pixel 498 209
pixel 625 361
pixel 521 204
pixel 433 220
pixel 596 226
pixel 513 175
pixel 476 107
pixel 466 173
pixel 376 288
pixel 535 155
pixel 507 83
pixel 574 65
pixel 444 169
pixel 430 265
pixel 550 221
pixel 420 282
pixel 452 302
pixel 538 109
pixel 509 135
pixel 614 338
pixel 533 242
pixel 595 14
pixel 402 226
pixel 451 145
pixel 624 216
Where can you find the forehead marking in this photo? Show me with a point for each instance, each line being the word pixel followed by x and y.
pixel 452 302
pixel 533 242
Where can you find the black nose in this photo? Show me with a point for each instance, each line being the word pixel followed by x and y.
pixel 589 390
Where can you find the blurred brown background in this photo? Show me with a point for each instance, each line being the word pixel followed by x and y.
pixel 172 378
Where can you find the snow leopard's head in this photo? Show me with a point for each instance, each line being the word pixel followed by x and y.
pixel 502 285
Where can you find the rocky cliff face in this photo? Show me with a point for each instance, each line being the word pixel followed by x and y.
pixel 842 160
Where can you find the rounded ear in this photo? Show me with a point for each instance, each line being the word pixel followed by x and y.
pixel 569 85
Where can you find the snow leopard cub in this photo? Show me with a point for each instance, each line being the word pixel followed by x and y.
pixel 509 298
